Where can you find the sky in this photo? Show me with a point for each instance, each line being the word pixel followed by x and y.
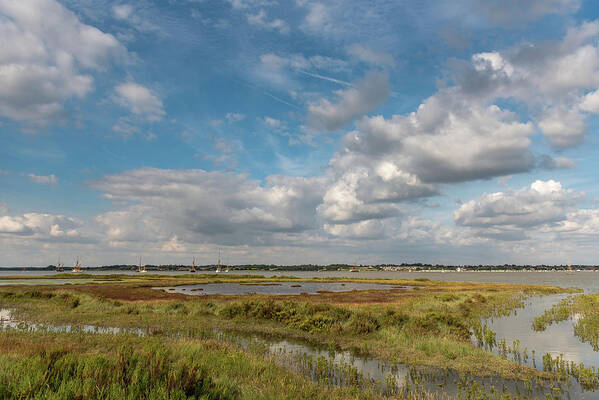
pixel 305 131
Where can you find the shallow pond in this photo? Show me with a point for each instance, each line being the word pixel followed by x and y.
pixel 558 339
pixel 275 288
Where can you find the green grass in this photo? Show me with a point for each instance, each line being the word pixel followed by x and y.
pixel 71 366
pixel 429 327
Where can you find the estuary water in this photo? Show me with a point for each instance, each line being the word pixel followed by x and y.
pixel 587 280
pixel 275 288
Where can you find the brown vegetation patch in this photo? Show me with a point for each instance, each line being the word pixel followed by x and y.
pixel 123 292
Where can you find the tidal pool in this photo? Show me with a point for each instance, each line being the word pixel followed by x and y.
pixel 276 288
pixel 558 339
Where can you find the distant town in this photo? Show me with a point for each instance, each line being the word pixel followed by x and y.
pixel 405 267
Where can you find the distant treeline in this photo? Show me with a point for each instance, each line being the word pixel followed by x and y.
pixel 329 267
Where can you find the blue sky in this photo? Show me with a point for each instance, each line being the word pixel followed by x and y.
pixel 299 131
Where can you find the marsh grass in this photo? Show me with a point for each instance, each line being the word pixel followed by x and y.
pixel 431 326
pixel 585 311
pixel 79 366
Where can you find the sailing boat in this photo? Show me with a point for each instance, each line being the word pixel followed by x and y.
pixel 218 265
pixel 77 267
pixel 355 268
pixel 141 268
pixel 59 266
pixel 226 265
pixel 193 265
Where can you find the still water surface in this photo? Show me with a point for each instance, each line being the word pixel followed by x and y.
pixel 274 288
pixel 587 280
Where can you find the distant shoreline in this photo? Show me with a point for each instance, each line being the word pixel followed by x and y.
pixel 323 268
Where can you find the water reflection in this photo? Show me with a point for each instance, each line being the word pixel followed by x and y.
pixel 558 339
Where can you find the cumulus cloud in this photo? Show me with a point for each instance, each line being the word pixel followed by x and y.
pixel 511 215
pixel 448 139
pixel 43 179
pixel 362 193
pixel 369 92
pixel 590 102
pixel 46 49
pixel 369 229
pixel 557 79
pixel 563 127
pixel 44 227
pixel 196 205
pixel 140 100
pixel 583 223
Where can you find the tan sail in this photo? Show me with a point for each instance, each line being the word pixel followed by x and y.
pixel 77 268
pixel 141 268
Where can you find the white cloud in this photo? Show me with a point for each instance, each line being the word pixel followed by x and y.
pixel 563 127
pixel 370 56
pixel 274 123
pixel 122 11
pixel 360 193
pixel 448 139
pixel 512 215
pixel 245 4
pixel 553 78
pixel 369 229
pixel 590 102
pixel 44 227
pixel 45 49
pixel 351 103
pixel 318 18
pixel 261 20
pixel 580 224
pixel 197 205
pixel 173 245
pixel 43 179
pixel 234 117
pixel 140 100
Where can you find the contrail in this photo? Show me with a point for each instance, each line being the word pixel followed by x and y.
pixel 281 100
pixel 326 78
